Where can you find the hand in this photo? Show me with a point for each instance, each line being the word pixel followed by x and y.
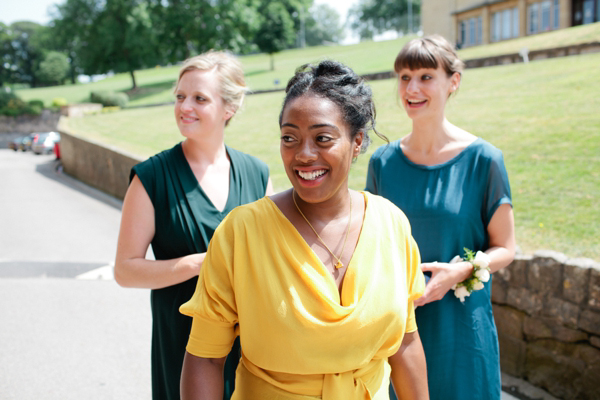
pixel 443 277
pixel 192 262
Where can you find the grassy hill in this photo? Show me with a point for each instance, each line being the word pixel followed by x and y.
pixel 156 84
pixel 543 115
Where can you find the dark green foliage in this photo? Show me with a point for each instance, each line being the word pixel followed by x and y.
pixel 276 32
pixel 110 99
pixel 36 103
pixel 54 68
pixel 12 106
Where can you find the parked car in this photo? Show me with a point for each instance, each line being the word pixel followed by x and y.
pixel 27 142
pixel 21 143
pixel 43 143
pixel 15 144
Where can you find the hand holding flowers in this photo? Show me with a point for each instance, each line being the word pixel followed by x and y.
pixel 480 275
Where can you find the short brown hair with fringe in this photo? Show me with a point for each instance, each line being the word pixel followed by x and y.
pixel 429 52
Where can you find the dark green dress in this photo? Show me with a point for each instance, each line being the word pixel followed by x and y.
pixel 185 220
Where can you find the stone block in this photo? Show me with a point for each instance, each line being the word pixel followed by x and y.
pixel 513 354
pixel 590 322
pixel 509 322
pixel 565 312
pixel 595 341
pixel 516 272
pixel 499 291
pixel 524 300
pixel 544 274
pixel 588 354
pixel 550 365
pixel 594 288
pixel 548 328
pixel 576 277
pixel 587 384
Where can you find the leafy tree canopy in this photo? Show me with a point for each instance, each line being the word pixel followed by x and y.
pixel 371 17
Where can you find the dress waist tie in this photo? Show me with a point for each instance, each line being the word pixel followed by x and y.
pixel 360 384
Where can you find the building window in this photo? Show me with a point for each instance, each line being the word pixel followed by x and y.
pixel 479 38
pixel 471 31
pixel 556 17
pixel 588 11
pixel 505 24
pixel 462 36
pixel 515 22
pixel 532 20
pixel 545 25
pixel 597 10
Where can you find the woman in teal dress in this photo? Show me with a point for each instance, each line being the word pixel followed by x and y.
pixel 454 189
pixel 175 201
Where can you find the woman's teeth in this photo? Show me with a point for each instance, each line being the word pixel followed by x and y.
pixel 311 176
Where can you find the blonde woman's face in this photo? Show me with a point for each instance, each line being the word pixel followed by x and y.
pixel 199 108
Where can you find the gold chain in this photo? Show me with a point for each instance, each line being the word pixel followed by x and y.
pixel 339 264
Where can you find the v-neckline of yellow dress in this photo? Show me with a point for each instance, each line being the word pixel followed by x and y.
pixel 349 280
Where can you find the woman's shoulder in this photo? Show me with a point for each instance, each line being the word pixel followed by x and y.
pixel 385 210
pixel 251 215
pixel 152 164
pixel 386 151
pixel 245 160
pixel 483 148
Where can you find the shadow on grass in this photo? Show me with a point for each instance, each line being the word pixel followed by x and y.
pixel 143 91
pixel 256 72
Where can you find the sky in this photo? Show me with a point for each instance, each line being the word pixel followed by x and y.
pixel 37 10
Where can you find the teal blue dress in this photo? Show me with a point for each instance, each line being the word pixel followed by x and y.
pixel 449 207
pixel 185 220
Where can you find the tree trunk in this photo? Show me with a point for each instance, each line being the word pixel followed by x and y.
pixel 131 72
pixel 272 62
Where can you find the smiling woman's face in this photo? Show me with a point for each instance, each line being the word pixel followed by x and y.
pixel 317 148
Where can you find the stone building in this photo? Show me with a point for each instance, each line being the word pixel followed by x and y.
pixel 473 22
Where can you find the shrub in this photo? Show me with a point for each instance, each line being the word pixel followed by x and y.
pixel 110 99
pixel 59 102
pixel 36 103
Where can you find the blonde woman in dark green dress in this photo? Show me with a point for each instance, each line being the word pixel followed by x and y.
pixel 175 201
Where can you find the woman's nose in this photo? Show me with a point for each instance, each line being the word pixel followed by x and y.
pixel 306 152
pixel 412 86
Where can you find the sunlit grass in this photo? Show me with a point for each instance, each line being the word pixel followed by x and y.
pixel 543 115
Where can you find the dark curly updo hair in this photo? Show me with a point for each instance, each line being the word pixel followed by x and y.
pixel 335 81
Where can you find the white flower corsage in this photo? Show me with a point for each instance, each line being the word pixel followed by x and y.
pixel 480 275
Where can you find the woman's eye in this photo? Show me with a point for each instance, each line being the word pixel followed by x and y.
pixel 323 139
pixel 426 77
pixel 405 78
pixel 287 138
pixel 180 97
pixel 200 99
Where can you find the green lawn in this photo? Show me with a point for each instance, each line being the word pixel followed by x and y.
pixel 156 84
pixel 543 115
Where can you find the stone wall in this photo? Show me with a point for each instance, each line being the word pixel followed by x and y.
pixel 103 167
pixel 547 310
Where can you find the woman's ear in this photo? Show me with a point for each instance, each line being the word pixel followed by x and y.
pixel 455 79
pixel 357 143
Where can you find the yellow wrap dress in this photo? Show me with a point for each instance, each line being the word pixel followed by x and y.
pixel 301 338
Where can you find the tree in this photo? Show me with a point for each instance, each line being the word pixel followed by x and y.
pixel 70 27
pixel 121 39
pixel 276 32
pixel 370 17
pixel 24 52
pixel 54 69
pixel 323 25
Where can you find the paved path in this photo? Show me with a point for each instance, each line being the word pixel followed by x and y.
pixel 67 330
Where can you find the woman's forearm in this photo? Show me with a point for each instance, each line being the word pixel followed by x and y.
pixel 409 370
pixel 202 378
pixel 156 274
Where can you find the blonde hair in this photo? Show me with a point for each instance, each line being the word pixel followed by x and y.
pixel 429 52
pixel 230 72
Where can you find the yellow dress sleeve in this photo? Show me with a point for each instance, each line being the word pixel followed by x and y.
pixel 415 279
pixel 213 305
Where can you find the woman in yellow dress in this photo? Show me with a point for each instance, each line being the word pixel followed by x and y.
pixel 319 280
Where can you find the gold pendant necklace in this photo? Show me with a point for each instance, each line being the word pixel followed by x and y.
pixel 339 264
